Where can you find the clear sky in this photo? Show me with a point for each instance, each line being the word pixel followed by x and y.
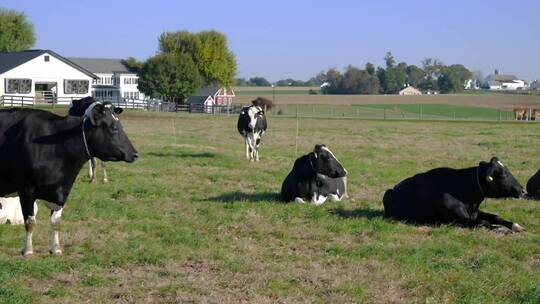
pixel 280 39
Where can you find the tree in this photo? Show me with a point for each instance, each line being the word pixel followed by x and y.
pixel 334 79
pixel 172 76
pixel 259 82
pixel 133 64
pixel 395 78
pixel 16 33
pixel 389 60
pixel 453 78
pixel 241 82
pixel 370 68
pixel 209 51
pixel 414 75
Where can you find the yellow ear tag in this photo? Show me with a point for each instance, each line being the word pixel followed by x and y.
pixel 489 178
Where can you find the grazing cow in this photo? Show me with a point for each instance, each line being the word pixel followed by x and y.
pixel 520 113
pixel 535 114
pixel 42 153
pixel 11 212
pixel 315 177
pixel 77 108
pixel 533 185
pixel 252 126
pixel 445 195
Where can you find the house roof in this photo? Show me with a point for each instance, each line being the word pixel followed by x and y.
pixel 502 78
pixel 208 90
pixel 11 60
pixel 103 65
pixel 196 99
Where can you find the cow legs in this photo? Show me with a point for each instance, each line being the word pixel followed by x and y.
pixel 496 220
pixel 92 169
pixel 454 210
pixel 257 143
pixel 55 232
pixel 248 149
pixel 105 179
pixel 28 210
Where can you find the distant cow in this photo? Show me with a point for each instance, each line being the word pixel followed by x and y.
pixel 535 114
pixel 42 153
pixel 533 185
pixel 11 212
pixel 252 126
pixel 520 113
pixel 78 108
pixel 446 195
pixel 315 177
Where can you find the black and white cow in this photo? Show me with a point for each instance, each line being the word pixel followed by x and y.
pixel 77 108
pixel 315 177
pixel 42 153
pixel 446 195
pixel 252 126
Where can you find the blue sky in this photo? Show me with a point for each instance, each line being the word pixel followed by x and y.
pixel 280 39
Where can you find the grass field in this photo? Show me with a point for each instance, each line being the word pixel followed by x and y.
pixel 192 221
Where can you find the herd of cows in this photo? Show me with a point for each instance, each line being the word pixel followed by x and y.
pixel 42 153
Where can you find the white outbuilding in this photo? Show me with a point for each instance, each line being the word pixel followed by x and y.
pixel 43 76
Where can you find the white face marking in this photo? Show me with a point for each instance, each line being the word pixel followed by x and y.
pixel 500 164
pixel 252 112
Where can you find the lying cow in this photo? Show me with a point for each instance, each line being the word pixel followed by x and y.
pixel 446 195
pixel 41 155
pixel 78 108
pixel 533 185
pixel 315 177
pixel 11 212
pixel 252 126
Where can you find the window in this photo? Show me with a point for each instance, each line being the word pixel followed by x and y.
pixel 21 86
pixel 75 86
pixel 46 58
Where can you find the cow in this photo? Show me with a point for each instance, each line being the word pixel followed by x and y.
pixel 11 212
pixel 533 185
pixel 520 113
pixel 42 153
pixel 446 195
pixel 252 126
pixel 77 108
pixel 315 177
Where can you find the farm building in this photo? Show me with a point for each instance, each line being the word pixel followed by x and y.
pixel 42 75
pixel 503 82
pixel 116 80
pixel 209 96
pixel 410 91
pixel 535 85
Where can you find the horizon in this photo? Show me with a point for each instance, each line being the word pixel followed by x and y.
pixel 297 40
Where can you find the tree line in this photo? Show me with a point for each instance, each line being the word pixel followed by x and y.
pixel 433 75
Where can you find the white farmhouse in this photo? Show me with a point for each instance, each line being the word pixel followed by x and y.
pixel 116 80
pixel 503 82
pixel 42 75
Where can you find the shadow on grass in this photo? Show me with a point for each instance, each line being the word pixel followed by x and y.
pixel 357 213
pixel 245 197
pixel 183 154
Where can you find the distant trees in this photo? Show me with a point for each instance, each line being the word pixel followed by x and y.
pixel 186 61
pixel 253 81
pixel 16 33
pixel 433 75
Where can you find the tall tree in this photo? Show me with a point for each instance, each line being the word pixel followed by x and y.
pixel 370 68
pixel 414 75
pixel 16 33
pixel 209 51
pixel 172 76
pixel 389 60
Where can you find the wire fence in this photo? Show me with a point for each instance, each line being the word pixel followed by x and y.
pixel 358 111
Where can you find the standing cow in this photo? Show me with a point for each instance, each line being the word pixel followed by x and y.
pixel 78 108
pixel 42 153
pixel 252 126
pixel 446 195
pixel 315 177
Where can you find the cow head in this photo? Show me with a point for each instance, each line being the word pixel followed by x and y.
pixel 254 113
pixel 498 182
pixel 105 135
pixel 78 107
pixel 324 162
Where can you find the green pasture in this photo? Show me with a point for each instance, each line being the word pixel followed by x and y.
pixel 193 222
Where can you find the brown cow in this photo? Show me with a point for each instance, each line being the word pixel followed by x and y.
pixel 520 113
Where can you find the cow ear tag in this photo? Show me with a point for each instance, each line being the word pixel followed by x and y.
pixel 489 178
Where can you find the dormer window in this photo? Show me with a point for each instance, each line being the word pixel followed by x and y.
pixel 46 58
